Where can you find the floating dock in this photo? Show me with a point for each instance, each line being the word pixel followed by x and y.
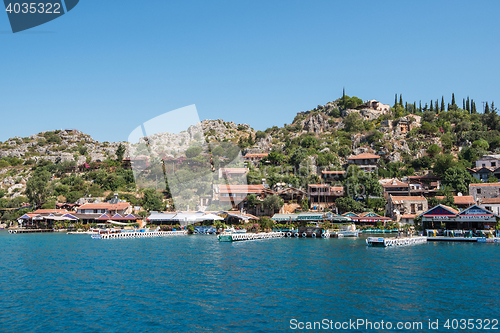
pixel 138 234
pixel 235 237
pixel 463 239
pixel 29 231
pixel 394 241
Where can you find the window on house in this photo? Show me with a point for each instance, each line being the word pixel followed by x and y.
pixel 493 164
pixel 412 207
pixel 488 208
pixel 420 206
pixel 484 165
pixel 478 191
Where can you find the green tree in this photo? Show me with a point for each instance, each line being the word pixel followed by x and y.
pixel 273 202
pixel 308 142
pixel 353 123
pixel 447 141
pixel 458 178
pixel 120 151
pixel 192 152
pixel 442 163
pixel 37 188
pixel 433 150
pixel 152 200
pixel 347 204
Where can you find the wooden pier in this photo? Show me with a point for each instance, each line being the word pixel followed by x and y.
pixel 28 231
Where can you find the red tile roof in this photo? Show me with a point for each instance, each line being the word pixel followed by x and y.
pixel 490 201
pixel 256 155
pixel 333 172
pixel 460 199
pixel 451 209
pixel 485 184
pixel 408 216
pixel 234 170
pixel 407 198
pixel 105 205
pixel 50 211
pixel 395 183
pixel 363 156
pixel 241 188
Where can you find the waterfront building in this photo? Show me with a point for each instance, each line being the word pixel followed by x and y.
pixel 472 218
pixel 122 208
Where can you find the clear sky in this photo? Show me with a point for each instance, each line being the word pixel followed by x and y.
pixel 108 66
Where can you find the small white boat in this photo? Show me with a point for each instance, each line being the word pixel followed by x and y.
pixel 350 231
pixel 232 230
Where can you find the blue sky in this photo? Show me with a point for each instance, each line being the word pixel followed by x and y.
pixel 108 66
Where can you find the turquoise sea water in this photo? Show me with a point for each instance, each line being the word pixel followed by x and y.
pixel 71 283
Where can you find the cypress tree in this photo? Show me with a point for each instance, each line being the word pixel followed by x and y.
pixel 431 106
pixel 463 103
pixel 401 99
pixel 437 106
pixel 414 106
pixel 343 97
pixel 406 107
pixel 442 103
pixel 420 106
pixel 453 99
pixel 486 108
pixel 467 104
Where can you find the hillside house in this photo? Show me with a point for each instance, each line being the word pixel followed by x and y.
pixel 254 158
pixel 231 173
pixel 491 204
pixel 365 161
pixel 323 195
pixel 484 190
pixel 489 161
pixel 394 186
pixel 397 206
